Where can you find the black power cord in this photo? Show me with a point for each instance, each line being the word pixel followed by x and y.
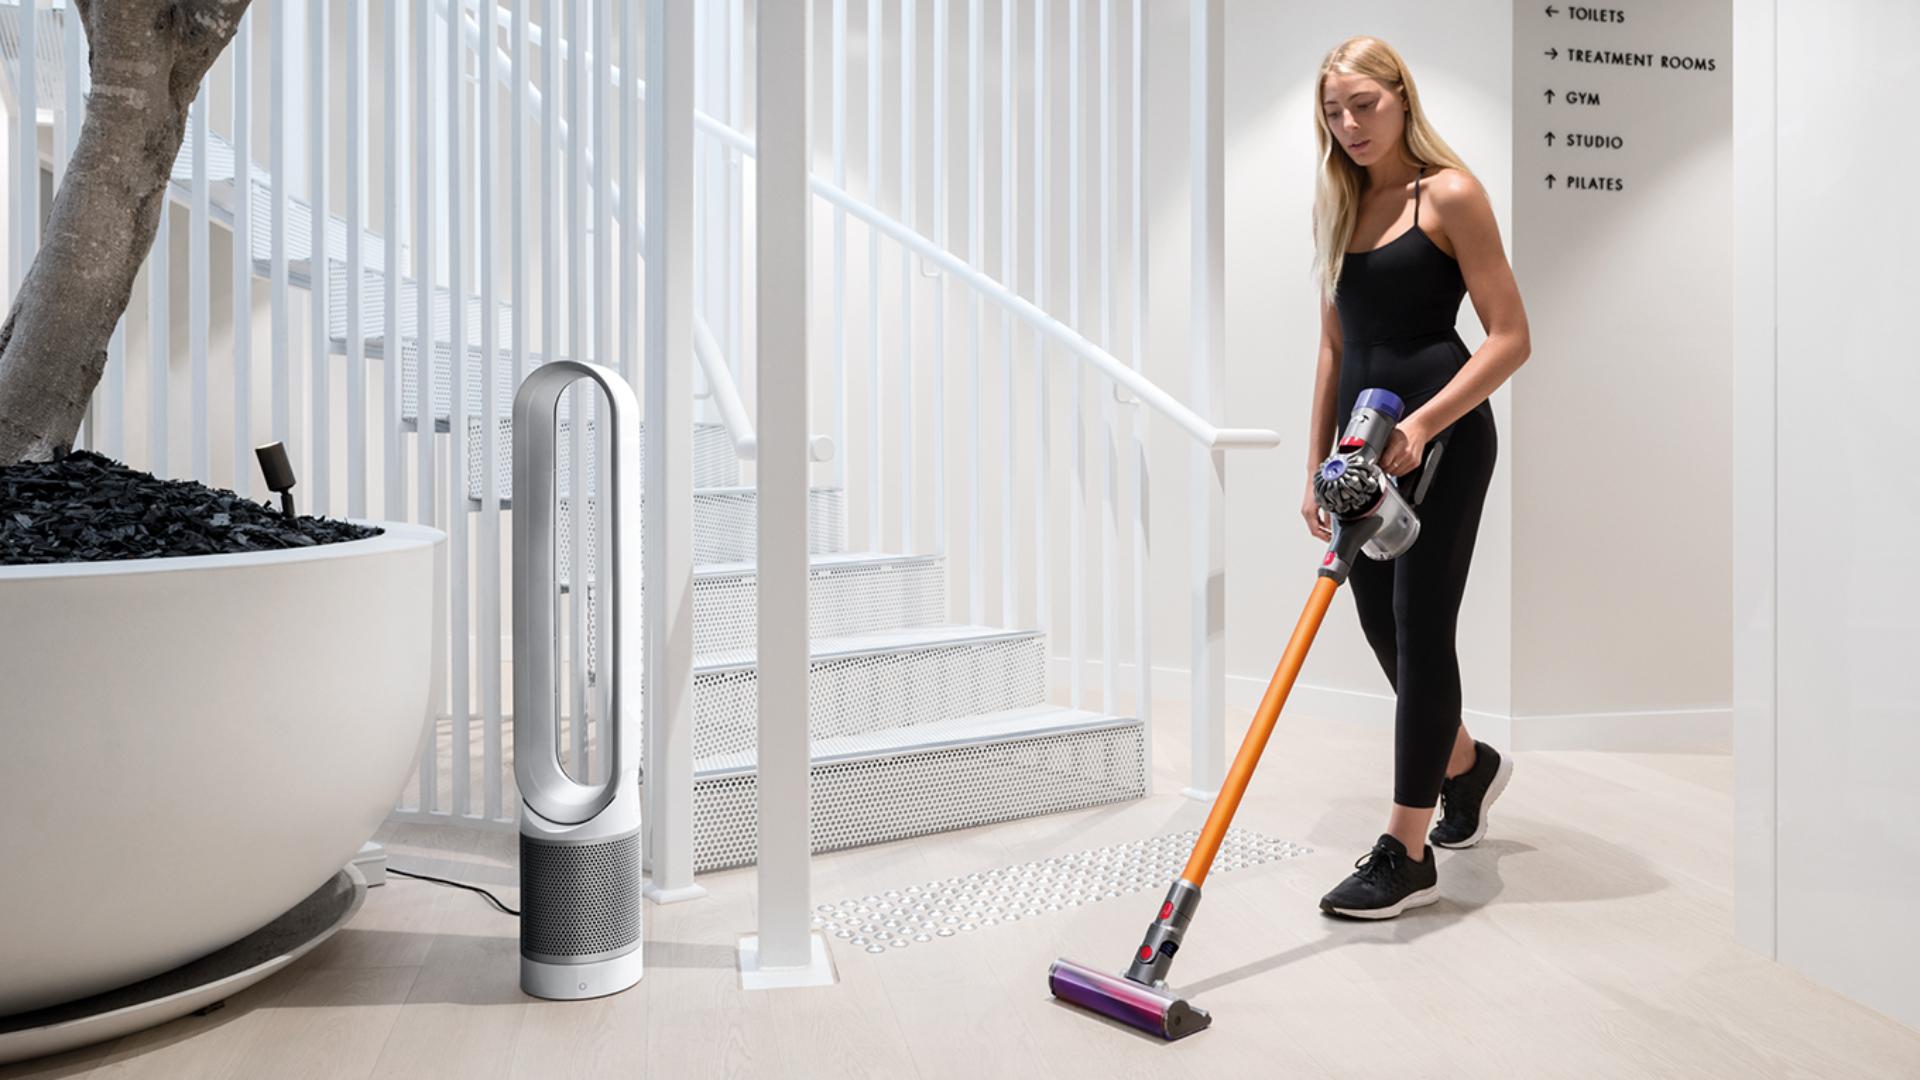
pixel 458 885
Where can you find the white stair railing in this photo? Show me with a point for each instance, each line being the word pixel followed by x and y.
pixel 404 269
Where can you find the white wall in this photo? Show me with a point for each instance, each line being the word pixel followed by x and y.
pixel 1827 631
pixel 1620 441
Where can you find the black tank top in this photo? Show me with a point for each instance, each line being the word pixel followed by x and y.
pixel 1397 305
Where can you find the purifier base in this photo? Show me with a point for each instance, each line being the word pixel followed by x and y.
pixel 573 982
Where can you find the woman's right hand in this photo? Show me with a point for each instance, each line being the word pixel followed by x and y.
pixel 1317 521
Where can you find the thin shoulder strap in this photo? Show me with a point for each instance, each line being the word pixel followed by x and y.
pixel 1416 194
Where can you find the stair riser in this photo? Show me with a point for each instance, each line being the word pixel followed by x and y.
pixel 725 527
pixel 841 602
pixel 876 692
pixel 914 793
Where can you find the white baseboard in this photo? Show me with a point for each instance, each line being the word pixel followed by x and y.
pixel 1692 730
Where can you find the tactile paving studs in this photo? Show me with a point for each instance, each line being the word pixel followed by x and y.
pixel 975 902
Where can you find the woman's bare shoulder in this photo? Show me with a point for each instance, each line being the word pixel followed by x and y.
pixel 1454 188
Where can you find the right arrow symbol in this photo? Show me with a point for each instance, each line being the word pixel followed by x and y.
pixel 1549 181
pixel 1553 54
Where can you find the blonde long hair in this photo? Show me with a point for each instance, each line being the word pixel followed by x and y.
pixel 1336 197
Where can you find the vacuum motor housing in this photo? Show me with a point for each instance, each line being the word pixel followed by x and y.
pixel 580 884
pixel 1369 512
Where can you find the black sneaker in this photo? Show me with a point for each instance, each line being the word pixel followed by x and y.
pixel 1464 799
pixel 1386 882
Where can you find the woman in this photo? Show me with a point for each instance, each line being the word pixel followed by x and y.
pixel 1402 231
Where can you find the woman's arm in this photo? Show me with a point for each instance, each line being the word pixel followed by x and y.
pixel 1326 388
pixel 1467 220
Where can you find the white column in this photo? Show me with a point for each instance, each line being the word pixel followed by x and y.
pixel 785 952
pixel 1755 503
pixel 668 504
pixel 1209 582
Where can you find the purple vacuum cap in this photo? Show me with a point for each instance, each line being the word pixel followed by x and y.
pixel 1385 401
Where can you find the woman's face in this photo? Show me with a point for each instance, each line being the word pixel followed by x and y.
pixel 1364 116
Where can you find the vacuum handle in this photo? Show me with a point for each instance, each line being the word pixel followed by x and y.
pixel 1426 474
pixel 543 782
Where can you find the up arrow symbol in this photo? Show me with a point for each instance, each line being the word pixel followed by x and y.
pixel 1549 181
pixel 1549 138
pixel 1549 97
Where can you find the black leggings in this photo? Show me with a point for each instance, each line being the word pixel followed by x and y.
pixel 1409 607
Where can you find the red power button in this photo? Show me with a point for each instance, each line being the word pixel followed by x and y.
pixel 1166 910
pixel 1146 954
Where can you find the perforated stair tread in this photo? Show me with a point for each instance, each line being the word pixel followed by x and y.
pixel 1034 721
pixel 824 562
pixel 908 639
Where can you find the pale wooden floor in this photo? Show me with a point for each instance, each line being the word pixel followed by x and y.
pixel 1586 937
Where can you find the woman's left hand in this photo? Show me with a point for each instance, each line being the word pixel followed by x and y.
pixel 1404 448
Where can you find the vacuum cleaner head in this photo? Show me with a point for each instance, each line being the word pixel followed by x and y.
pixel 1149 1008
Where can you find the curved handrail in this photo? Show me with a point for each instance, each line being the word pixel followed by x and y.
pixel 1203 431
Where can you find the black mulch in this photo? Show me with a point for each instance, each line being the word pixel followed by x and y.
pixel 89 508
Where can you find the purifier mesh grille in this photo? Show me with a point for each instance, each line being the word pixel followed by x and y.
pixel 875 691
pixel 893 797
pixel 579 900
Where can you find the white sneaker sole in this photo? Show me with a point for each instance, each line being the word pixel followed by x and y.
pixel 1500 777
pixel 1412 900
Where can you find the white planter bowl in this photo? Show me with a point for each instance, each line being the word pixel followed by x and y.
pixel 190 746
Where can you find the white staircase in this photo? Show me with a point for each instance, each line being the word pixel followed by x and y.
pixel 917 725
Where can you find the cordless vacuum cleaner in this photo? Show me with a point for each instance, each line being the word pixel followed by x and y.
pixel 1369 514
pixel 579 842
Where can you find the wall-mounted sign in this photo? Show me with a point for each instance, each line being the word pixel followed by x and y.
pixel 1608 92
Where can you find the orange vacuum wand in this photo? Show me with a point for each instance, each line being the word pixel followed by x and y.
pixel 1368 515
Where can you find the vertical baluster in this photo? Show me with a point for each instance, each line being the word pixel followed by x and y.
pixel 976 556
pixel 875 28
pixel 838 397
pixel 277 258
pixel 908 47
pixel 490 685
pixel 320 346
pixel 1109 509
pixel 736 241
pixel 426 351
pixel 458 506
pixel 159 340
pixel 242 75
pixel 391 354
pixel 1009 214
pixel 1043 407
pixel 1077 509
pixel 356 298
pixel 630 198
pixel 199 288
pixel 1142 527
pixel 941 216
pixel 26 148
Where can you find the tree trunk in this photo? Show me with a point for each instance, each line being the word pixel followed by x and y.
pixel 148 57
